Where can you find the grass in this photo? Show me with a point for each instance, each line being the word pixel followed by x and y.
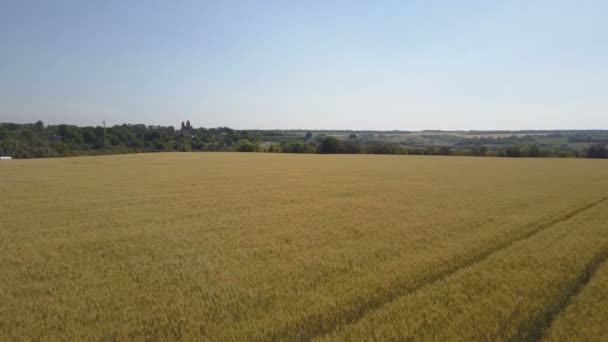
pixel 229 246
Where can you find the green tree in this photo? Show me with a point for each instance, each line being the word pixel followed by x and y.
pixel 330 145
pixel 597 151
pixel 514 151
pixel 297 147
pixel 248 146
pixel 352 148
pixel 534 151
pixel 384 148
pixel 39 127
pixel 445 150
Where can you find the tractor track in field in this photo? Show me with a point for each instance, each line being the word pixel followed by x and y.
pixel 318 326
pixel 540 325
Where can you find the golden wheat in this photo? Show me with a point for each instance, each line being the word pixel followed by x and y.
pixel 586 318
pixel 511 295
pixel 230 246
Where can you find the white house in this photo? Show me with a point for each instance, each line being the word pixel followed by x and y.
pixel 5 158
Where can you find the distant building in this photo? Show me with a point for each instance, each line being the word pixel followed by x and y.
pixel 186 126
pixel 5 158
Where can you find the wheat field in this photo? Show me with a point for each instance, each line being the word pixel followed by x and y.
pixel 259 246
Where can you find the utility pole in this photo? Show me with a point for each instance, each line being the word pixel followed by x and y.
pixel 105 141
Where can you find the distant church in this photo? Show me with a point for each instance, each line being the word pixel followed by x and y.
pixel 187 126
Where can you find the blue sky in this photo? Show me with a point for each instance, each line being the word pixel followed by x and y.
pixel 308 64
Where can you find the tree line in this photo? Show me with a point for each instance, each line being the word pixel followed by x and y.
pixel 330 145
pixel 39 140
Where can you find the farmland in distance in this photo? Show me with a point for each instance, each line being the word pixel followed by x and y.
pixel 261 246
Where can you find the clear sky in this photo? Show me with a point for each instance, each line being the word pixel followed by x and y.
pixel 306 64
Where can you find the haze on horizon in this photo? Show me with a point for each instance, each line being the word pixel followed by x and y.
pixel 311 65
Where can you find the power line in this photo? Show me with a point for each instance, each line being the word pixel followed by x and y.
pixel 105 141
